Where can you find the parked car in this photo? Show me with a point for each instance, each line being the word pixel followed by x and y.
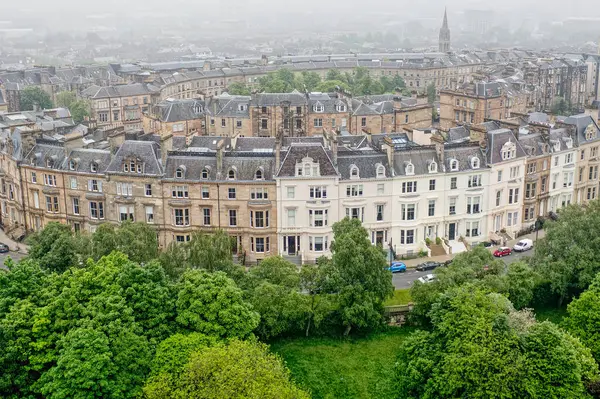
pixel 523 245
pixel 427 279
pixel 427 266
pixel 397 267
pixel 447 263
pixel 4 248
pixel 553 215
pixel 487 244
pixel 502 251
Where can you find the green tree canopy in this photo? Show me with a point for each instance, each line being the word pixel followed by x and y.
pixel 53 247
pixel 240 369
pixel 583 319
pixel 568 257
pixel 238 88
pixel 211 303
pixel 480 347
pixel 357 273
pixel 136 240
pixel 33 96
pixel 79 108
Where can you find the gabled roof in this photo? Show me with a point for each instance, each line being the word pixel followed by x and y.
pixel 146 151
pixel 496 139
pixel 298 151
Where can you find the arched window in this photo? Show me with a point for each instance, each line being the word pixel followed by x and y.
pixel 409 169
pixel 72 164
pixel 258 175
pixel 231 174
pixel 433 167
pixel 179 173
pixel 454 165
pixel 380 171
pixel 509 150
pixel 205 173
pixel 354 172
pixel 94 167
pixel 49 163
pixel 475 163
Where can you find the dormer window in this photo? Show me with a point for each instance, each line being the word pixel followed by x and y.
pixel 591 133
pixel 545 148
pixel 509 151
pixel 340 107
pixel 354 172
pixel 94 167
pixel 409 169
pixel 49 163
pixel 380 171
pixel 307 168
pixel 556 145
pixel 319 107
pixel 242 107
pixel 532 151
pixel 205 174
pixel 433 167
pixel 569 142
pixel 72 164
pixel 180 172
pixel 197 109
pixel 453 165
pixel 231 174
pixel 258 175
pixel 475 163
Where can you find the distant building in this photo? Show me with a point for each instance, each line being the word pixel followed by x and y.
pixel 445 35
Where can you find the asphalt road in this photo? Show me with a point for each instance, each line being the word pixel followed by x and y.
pixel 14 256
pixel 405 280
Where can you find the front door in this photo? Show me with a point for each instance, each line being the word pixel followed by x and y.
pixel 452 231
pixel 498 223
pixel 379 237
pixel 291 245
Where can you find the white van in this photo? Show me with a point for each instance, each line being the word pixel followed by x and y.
pixel 524 245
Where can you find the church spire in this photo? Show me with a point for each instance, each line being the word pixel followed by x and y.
pixel 445 24
pixel 444 43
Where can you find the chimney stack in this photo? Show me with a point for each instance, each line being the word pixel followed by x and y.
pixel 166 145
pixel 438 141
pixel 220 150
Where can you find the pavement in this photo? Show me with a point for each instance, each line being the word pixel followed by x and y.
pixel 18 250
pixel 405 280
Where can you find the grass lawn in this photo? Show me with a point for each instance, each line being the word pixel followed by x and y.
pixel 555 315
pixel 344 368
pixel 401 297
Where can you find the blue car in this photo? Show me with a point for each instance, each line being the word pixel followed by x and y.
pixel 397 267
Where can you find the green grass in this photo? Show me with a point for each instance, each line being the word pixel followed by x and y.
pixel 401 297
pixel 344 368
pixel 555 315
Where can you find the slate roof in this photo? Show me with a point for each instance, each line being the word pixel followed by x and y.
pixel 581 123
pixel 297 151
pixel 2 102
pixel 46 150
pixel 246 165
pixel 458 134
pixel 366 163
pixel 228 106
pixel 192 163
pixel 463 153
pixel 132 89
pixel 496 139
pixel 295 98
pixel 84 158
pixel 533 144
pixel 180 110
pixel 207 143
pixel 146 151
pixel 419 157
pixel 255 144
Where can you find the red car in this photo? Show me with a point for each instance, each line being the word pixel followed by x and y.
pixel 502 251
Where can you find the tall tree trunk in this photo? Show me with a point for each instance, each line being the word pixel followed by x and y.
pixel 347 331
pixel 308 325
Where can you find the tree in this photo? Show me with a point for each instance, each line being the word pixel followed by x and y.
pixel 239 89
pixel 357 273
pixel 560 106
pixel 79 108
pixel 583 319
pixel 240 369
pixel 137 240
pixel 96 364
pixel 309 80
pixel 480 347
pixel 477 266
pixel 32 97
pixel 520 281
pixel 53 247
pixel 174 260
pixel 431 93
pixel 319 304
pixel 568 257
pixel 393 84
pixel 334 74
pixel 211 303
pixel 330 86
pixel 212 252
